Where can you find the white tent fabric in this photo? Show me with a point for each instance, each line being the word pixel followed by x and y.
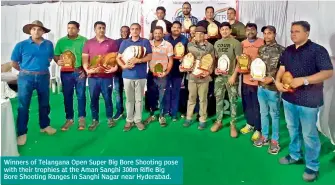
pixel 55 16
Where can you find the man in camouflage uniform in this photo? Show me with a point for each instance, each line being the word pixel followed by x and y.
pixel 232 48
pixel 268 95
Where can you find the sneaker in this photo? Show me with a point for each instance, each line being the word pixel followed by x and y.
pixel 288 160
pixel 82 123
pixel 187 123
pixel 274 147
pixel 162 121
pixel 174 119
pixel 182 116
pixel 22 139
pixel 93 125
pixel 261 141
pixel 128 126
pixel 310 175
pixel 111 123
pixel 257 134
pixel 247 129
pixel 149 120
pixel 49 130
pixel 68 123
pixel 117 116
pixel 217 126
pixel 140 126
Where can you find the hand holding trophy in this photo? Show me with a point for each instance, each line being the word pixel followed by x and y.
pixel 223 65
pixel 131 54
pixel 212 30
pixel 109 62
pixel 178 51
pixel 287 79
pixel 67 61
pixel 187 62
pixel 258 70
pixel 186 25
pixel 244 63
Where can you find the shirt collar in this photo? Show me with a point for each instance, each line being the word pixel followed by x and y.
pixel 185 16
pixel 271 44
pixel 67 36
pixel 153 43
pixel 305 45
pixel 131 40
pixel 31 40
pixel 105 39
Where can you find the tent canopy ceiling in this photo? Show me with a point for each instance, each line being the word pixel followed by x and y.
pixel 12 3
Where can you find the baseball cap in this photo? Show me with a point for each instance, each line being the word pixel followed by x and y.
pixel 272 28
pixel 200 29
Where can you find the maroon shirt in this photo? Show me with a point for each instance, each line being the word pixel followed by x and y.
pixel 93 48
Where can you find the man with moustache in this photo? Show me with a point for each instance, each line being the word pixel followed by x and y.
pixel 268 95
pixel 34 75
pixel 73 79
pixel 160 13
pixel 117 79
pixel 175 77
pixel 250 103
pixel 99 81
pixel 186 15
pixel 226 81
pixel 209 18
pixel 162 52
pixel 237 27
pixel 134 76
pixel 309 64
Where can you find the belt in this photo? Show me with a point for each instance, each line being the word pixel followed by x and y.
pixel 35 72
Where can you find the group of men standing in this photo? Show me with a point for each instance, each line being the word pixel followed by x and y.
pixel 308 62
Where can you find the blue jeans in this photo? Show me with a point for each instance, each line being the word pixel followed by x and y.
pixel 27 83
pixel 159 84
pixel 105 87
pixel 301 124
pixel 118 90
pixel 71 81
pixel 269 101
pixel 172 95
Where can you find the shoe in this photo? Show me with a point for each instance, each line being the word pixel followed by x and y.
pixel 68 123
pixel 256 135
pixel 111 123
pixel 128 126
pixel 22 139
pixel 117 116
pixel 149 120
pixel 174 119
pixel 140 126
pixel 288 160
pixel 233 131
pixel 247 129
pixel 93 125
pixel 202 125
pixel 310 175
pixel 82 123
pixel 274 147
pixel 162 121
pixel 182 116
pixel 49 130
pixel 261 141
pixel 216 126
pixel 187 123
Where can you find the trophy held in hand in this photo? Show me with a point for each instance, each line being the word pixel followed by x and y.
pixel 206 62
pixel 212 31
pixel 187 24
pixel 178 51
pixel 244 62
pixel 109 61
pixel 223 64
pixel 158 68
pixel 162 24
pixel 69 61
pixel 258 70
pixel 95 63
pixel 188 62
pixel 287 79
pixel 133 52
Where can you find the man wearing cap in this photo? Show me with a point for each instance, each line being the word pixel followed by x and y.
pixel 198 85
pixel 238 28
pixel 186 16
pixel 32 58
pixel 99 80
pixel 228 81
pixel 73 78
pixel 268 95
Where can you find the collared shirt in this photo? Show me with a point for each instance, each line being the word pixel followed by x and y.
pixel 238 30
pixel 199 51
pixel 32 56
pixel 160 53
pixel 205 23
pixel 307 60
pixel 94 48
pixel 181 19
pixel 270 54
pixel 74 45
pixel 167 23
pixel 140 70
pixel 119 41
pixel 251 49
pixel 175 68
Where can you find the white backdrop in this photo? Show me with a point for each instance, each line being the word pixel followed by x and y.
pixel 55 16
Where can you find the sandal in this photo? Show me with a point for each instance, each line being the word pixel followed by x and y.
pixel 202 126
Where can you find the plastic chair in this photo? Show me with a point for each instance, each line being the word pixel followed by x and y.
pixel 55 81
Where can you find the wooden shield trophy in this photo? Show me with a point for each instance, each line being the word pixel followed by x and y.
pixel 258 69
pixel 206 62
pixel 287 79
pixel 109 60
pixel 223 64
pixel 133 52
pixel 158 68
pixel 212 30
pixel 178 51
pixel 95 63
pixel 197 71
pixel 187 24
pixel 188 62
pixel 244 62
pixel 69 60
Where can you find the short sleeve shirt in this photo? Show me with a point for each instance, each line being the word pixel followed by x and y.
pixel 161 53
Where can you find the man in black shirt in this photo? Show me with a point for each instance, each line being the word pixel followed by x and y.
pixel 160 13
pixel 309 64
pixel 209 18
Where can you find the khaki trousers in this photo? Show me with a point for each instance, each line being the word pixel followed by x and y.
pixel 201 90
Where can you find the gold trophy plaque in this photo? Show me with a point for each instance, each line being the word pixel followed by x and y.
pixel 187 24
pixel 258 69
pixel 109 60
pixel 158 68
pixel 179 50
pixel 244 63
pixel 95 63
pixel 206 62
pixel 287 79
pixel 188 62
pixel 69 61
pixel 212 30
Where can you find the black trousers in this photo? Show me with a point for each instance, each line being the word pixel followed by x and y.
pixel 251 106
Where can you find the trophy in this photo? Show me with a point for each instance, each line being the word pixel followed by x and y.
pixel 158 68
pixel 223 64
pixel 109 60
pixel 179 50
pixel 188 62
pixel 162 24
pixel 206 62
pixel 212 30
pixel 244 63
pixel 187 24
pixel 69 61
pixel 287 79
pixel 197 71
pixel 258 69
pixel 95 63
pixel 133 52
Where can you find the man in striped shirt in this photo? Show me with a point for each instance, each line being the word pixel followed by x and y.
pixel 186 15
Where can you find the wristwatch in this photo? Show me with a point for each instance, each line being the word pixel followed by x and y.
pixel 306 82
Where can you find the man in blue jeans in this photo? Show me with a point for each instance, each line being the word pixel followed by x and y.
pixel 34 75
pixel 309 64
pixel 268 95
pixel 73 76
